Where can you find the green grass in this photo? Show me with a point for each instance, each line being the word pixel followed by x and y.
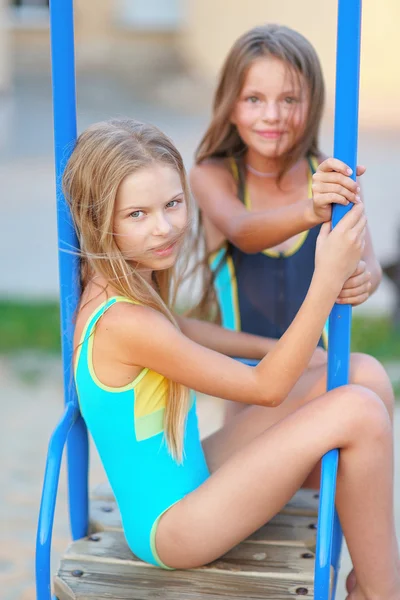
pixel 35 326
pixel 29 326
pixel 376 336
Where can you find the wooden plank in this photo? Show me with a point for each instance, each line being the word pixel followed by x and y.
pixel 104 567
pixel 282 529
pixel 104 515
pixel 249 556
pixel 304 502
pixel 117 582
pixel 103 491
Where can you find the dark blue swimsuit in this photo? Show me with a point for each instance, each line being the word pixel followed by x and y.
pixel 261 293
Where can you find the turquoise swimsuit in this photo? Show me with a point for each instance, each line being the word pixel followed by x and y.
pixel 261 293
pixel 126 424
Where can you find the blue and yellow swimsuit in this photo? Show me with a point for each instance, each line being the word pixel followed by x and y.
pixel 261 293
pixel 127 426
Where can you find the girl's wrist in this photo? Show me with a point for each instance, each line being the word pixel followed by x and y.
pixel 324 287
pixel 312 219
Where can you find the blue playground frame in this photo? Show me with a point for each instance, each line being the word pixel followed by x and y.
pixel 71 428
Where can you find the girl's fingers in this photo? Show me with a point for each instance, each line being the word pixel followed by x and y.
pixel 360 226
pixel 326 188
pixel 358 281
pixel 358 291
pixel 325 230
pixel 360 268
pixel 355 301
pixel 334 164
pixel 352 218
pixel 337 178
pixel 332 198
pixel 360 170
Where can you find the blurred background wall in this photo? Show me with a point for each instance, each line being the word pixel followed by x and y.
pixel 212 26
pixel 195 34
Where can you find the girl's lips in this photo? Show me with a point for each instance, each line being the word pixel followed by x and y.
pixel 165 251
pixel 270 135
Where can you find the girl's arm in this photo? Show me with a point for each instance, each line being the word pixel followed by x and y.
pixel 226 341
pixel 150 340
pixel 215 192
pixel 235 343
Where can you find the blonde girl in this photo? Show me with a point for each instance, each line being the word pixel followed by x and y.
pixel 183 502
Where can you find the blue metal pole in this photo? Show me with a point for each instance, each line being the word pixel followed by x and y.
pixel 64 109
pixel 345 148
pixel 48 502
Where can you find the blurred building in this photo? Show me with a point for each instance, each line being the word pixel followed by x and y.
pixel 193 36
pixel 212 25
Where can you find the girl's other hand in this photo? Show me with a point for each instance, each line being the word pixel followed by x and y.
pixel 332 184
pixel 339 251
pixel 356 289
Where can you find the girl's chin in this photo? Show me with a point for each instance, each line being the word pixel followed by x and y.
pixel 157 264
pixel 271 152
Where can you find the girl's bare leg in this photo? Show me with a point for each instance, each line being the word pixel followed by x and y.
pixel 243 423
pixel 364 370
pixel 251 421
pixel 255 482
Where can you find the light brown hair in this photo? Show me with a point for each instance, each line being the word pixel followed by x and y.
pixel 104 155
pixel 221 139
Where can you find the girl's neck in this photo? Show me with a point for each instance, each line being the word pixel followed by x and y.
pixel 100 282
pixel 148 276
pixel 265 168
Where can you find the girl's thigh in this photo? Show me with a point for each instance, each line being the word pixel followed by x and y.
pixel 256 481
pixel 249 422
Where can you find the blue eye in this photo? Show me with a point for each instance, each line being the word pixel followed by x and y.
pixel 171 204
pixel 136 214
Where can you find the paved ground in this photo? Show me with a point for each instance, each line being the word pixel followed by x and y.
pixel 31 406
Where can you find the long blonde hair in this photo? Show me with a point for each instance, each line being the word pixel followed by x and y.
pixel 221 139
pixel 104 155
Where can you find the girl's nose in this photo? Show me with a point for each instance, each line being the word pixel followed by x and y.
pixel 162 225
pixel 271 112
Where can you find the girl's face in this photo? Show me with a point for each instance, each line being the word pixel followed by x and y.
pixel 150 217
pixel 270 113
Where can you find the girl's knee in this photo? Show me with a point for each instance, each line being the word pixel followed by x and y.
pixel 365 413
pixel 368 372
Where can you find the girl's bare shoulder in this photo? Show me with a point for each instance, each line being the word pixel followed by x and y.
pixel 213 171
pixel 122 317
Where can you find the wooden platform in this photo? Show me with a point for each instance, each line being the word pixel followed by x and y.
pixel 276 562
